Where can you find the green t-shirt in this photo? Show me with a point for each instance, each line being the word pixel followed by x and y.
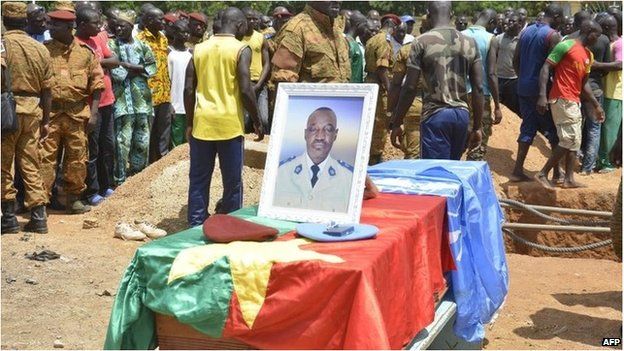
pixel 357 62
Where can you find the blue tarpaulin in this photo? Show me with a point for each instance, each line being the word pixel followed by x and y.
pixel 481 280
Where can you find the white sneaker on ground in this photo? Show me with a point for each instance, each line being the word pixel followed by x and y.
pixel 150 230
pixel 126 232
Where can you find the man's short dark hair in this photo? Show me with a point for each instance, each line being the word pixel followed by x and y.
pixel 85 14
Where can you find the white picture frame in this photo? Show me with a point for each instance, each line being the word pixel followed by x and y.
pixel 284 186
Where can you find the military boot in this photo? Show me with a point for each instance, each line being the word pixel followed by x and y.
pixel 9 221
pixel 38 220
pixel 76 206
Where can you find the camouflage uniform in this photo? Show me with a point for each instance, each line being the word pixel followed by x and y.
pixel 378 54
pixel 77 74
pixel 444 57
pixel 312 50
pixel 411 123
pixel 29 66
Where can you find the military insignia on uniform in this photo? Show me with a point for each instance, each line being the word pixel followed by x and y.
pixel 287 160
pixel 345 165
pixel 331 171
pixel 298 169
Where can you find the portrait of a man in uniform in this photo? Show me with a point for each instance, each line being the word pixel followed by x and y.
pixel 315 180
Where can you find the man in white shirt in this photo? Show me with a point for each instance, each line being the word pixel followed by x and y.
pixel 177 60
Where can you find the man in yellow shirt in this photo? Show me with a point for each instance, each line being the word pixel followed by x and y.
pixel 260 68
pixel 217 91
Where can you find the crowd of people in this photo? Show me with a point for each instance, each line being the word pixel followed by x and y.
pixel 102 94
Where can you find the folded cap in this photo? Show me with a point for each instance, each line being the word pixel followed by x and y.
pixel 14 9
pixel 394 18
pixel 407 18
pixel 62 15
pixel 281 11
pixel 128 16
pixel 198 17
pixel 220 228
pixel 316 232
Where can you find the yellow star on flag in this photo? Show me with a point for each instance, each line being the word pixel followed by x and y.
pixel 250 266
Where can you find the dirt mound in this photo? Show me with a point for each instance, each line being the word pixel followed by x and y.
pixel 159 193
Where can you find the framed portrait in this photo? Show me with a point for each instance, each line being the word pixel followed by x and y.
pixel 318 152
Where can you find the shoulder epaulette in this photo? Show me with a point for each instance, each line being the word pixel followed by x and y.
pixel 287 160
pixel 345 165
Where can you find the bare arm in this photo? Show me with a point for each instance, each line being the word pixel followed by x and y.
pixel 588 95
pixel 95 103
pixel 543 82
pixel 607 66
pixel 516 59
pixel 406 97
pixel 190 85
pixel 110 62
pixel 266 66
pixel 247 93
pixel 493 79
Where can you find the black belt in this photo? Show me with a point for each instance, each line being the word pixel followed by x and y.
pixel 23 93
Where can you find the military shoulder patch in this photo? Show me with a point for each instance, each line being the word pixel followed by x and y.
pixel 345 165
pixel 282 162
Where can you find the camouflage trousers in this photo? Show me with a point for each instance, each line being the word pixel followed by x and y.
pixel 380 129
pixel 410 144
pixel 132 137
pixel 478 153
pixel 23 146
pixel 69 133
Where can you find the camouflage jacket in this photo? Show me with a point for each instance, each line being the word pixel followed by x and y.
pixel 444 57
pixel 312 49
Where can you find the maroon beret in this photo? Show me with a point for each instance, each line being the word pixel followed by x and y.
pixel 62 15
pixel 183 14
pixel 198 17
pixel 394 18
pixel 170 17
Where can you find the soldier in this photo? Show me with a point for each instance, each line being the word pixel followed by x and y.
pixel 197 29
pixel 281 16
pixel 379 60
pixel 315 180
pixel 31 80
pixel 410 143
pixel 313 47
pixel 445 57
pixel 78 75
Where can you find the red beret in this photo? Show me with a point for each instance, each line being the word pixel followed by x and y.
pixel 198 17
pixel 183 14
pixel 170 17
pixel 394 18
pixel 62 15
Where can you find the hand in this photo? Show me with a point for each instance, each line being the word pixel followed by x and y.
pixel 600 114
pixel 498 115
pixel 475 139
pixel 259 130
pixel 542 105
pixel 395 136
pixel 91 124
pixel 189 133
pixel 370 189
pixel 44 130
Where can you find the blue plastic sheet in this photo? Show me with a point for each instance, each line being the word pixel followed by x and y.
pixel 481 281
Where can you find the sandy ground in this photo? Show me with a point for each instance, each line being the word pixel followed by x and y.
pixel 553 303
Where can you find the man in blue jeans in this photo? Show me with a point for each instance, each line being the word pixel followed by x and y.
pixel 217 91
pixel 536 41
pixel 449 57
